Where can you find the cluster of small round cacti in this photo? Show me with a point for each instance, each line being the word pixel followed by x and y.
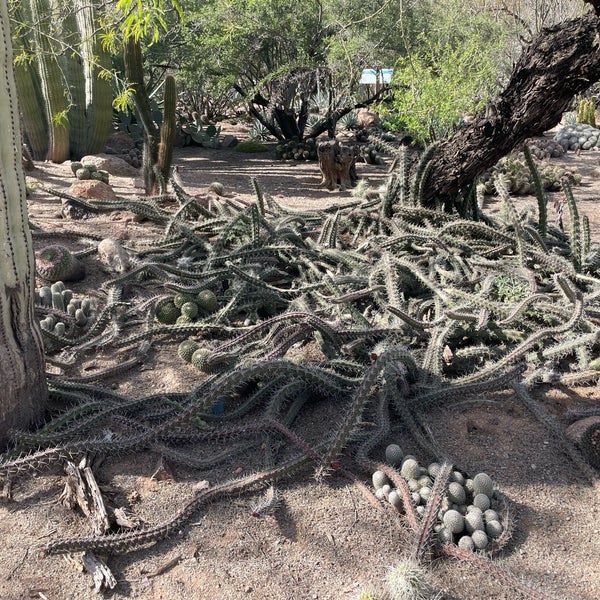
pixel 295 150
pixel 520 180
pixel 89 171
pixel 204 359
pixel 370 154
pixel 578 136
pixel 470 513
pixel 542 148
pixel 185 308
pixel 60 299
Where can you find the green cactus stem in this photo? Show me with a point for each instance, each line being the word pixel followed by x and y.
pixel 167 128
pixel 52 82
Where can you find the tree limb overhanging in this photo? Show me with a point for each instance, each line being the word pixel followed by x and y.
pixel 561 61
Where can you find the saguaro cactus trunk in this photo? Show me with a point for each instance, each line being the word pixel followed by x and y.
pixel 24 391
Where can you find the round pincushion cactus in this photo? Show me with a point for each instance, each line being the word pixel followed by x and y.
pixel 453 521
pixel 200 359
pixel 180 299
pixel 186 350
pixel 590 444
pixel 217 188
pixel 483 484
pixel 57 263
pixel 456 493
pixel 189 309
pixel 167 312
pixel 394 455
pixel 466 543
pixel 482 501
pixel 410 468
pixel 473 521
pixel 494 529
pixel 395 500
pixel 379 479
pixel 207 300
pixel 480 539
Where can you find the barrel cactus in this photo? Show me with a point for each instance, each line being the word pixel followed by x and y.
pixel 57 263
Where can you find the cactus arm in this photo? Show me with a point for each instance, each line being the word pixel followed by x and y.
pixel 134 73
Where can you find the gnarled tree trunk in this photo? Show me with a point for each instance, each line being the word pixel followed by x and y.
pixel 560 62
pixel 24 391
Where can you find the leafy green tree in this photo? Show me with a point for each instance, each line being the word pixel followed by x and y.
pixel 447 70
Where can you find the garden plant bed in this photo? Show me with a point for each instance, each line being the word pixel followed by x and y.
pixel 327 539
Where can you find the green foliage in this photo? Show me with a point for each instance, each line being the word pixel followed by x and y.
pixel 450 70
pixel 145 19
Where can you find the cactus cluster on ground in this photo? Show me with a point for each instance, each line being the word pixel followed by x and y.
pixel 62 316
pixel 89 171
pixel 472 514
pixel 578 136
pixel 520 180
pixel 404 308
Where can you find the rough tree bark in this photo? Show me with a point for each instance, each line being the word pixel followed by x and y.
pixel 337 163
pixel 24 391
pixel 559 63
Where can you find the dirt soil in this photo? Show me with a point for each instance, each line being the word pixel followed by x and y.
pixel 327 541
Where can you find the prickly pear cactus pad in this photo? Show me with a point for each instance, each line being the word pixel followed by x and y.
pixel 473 513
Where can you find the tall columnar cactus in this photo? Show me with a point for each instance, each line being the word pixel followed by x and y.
pixel 29 88
pixel 52 81
pixel 22 365
pixel 167 128
pixel 65 93
pixel 134 72
pixel 98 92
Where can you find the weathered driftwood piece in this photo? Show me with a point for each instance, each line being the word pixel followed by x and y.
pixel 82 490
pixel 101 574
pixel 337 163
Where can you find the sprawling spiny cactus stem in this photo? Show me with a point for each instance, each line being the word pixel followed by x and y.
pixel 574 225
pixel 424 539
pixel 546 420
pixel 539 193
pixel 124 542
pixel 487 566
pixel 167 128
